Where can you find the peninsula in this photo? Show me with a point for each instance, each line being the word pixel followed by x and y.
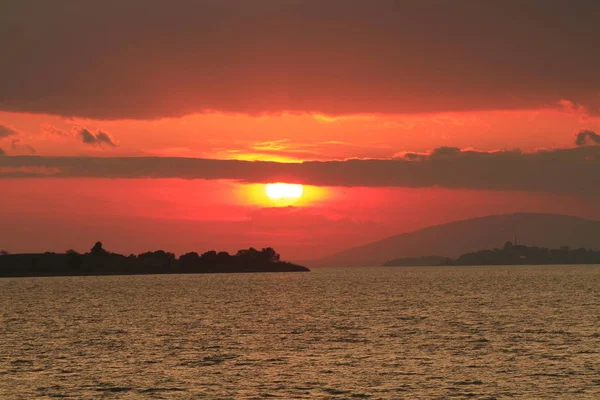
pixel 101 262
pixel 510 254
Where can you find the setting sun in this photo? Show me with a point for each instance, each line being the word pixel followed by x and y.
pixel 277 191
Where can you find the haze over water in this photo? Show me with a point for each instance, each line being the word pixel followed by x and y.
pixel 381 333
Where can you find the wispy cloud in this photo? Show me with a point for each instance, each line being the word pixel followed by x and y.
pixel 52 131
pixel 19 146
pixel 5 131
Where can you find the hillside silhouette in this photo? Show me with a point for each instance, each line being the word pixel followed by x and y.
pixel 510 254
pixel 456 238
pixel 98 261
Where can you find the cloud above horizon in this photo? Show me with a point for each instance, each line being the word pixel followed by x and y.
pixel 18 145
pixel 572 170
pixel 98 139
pixel 5 132
pixel 587 137
pixel 269 56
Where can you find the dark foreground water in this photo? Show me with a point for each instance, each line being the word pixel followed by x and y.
pixel 389 333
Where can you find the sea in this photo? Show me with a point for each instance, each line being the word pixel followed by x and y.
pixel 521 332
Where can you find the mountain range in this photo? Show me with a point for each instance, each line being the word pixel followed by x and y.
pixel 456 238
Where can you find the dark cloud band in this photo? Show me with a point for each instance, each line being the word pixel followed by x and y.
pixel 574 170
pixel 261 56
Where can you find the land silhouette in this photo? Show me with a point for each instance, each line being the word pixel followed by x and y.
pixel 99 261
pixel 451 240
pixel 510 254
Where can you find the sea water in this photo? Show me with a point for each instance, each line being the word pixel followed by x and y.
pixel 376 333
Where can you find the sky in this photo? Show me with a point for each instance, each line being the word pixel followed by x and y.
pixel 152 125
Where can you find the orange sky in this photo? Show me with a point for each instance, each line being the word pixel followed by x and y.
pixel 134 215
pixel 137 215
pixel 289 137
pixel 414 113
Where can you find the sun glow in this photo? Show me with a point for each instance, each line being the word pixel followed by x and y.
pixel 262 195
pixel 278 191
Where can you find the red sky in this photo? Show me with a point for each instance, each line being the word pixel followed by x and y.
pixel 290 81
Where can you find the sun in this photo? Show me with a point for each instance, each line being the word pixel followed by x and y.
pixel 278 191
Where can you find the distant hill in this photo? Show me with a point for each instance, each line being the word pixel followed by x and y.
pixel 456 238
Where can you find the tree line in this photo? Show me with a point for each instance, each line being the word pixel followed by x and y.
pixel 99 261
pixel 510 254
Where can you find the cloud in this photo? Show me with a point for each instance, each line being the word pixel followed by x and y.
pixel 6 132
pixel 102 137
pixel 269 56
pixel 586 137
pixel 87 137
pixel 572 170
pixel 51 130
pixel 18 145
pixel 98 139
pixel 82 134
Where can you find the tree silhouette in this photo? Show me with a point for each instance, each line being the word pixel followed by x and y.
pixel 188 262
pixel 248 255
pixel 98 250
pixel 269 254
pixel 209 256
pixel 157 259
pixel 74 260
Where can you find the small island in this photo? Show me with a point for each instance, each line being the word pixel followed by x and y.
pixel 101 262
pixel 510 254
